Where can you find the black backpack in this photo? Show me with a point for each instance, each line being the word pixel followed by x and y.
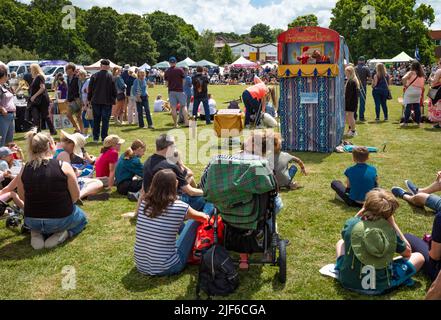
pixel 217 272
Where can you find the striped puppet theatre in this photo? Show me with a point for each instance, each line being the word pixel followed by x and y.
pixel 311 72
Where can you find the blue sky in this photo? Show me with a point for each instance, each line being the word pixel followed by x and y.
pixel 235 15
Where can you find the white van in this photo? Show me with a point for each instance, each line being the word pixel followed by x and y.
pixel 50 72
pixel 20 67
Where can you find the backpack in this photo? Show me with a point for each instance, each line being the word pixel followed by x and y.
pixel 205 240
pixel 199 84
pixel 217 273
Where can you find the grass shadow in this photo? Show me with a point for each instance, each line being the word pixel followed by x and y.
pixel 134 281
pixel 421 211
pixel 343 205
pixel 20 250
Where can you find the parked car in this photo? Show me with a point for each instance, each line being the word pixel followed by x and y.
pixel 50 72
pixel 20 67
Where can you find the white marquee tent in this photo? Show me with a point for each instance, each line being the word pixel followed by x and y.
pixel 243 63
pixel 97 65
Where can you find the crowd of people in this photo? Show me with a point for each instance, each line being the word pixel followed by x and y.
pixel 165 189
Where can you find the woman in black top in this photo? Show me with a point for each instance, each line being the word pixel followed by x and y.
pixel 351 99
pixel 49 188
pixel 39 101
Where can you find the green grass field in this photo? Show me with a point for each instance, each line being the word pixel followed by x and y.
pixel 102 256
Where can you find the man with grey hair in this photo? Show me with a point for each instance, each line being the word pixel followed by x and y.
pixel 165 158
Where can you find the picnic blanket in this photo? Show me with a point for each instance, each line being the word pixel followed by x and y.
pixel 233 186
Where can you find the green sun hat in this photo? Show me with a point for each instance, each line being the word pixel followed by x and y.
pixel 374 242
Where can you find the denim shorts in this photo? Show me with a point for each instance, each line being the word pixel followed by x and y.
pixel 177 97
pixel 434 203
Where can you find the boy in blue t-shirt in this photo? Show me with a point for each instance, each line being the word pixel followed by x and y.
pixel 361 179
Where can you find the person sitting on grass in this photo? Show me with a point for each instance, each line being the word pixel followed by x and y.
pixel 361 179
pixel 128 167
pixel 283 171
pixel 8 193
pixel 421 197
pixel 159 105
pixel 164 158
pixel 49 188
pixel 16 151
pixel 105 165
pixel 369 241
pixel 6 163
pixel 72 151
pixel 212 107
pixel 160 216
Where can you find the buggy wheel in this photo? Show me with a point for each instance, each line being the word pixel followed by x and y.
pixel 10 223
pixel 282 261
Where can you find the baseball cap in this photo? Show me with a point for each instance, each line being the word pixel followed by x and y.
pixel 127 67
pixel 5 151
pixel 172 60
pixel 362 58
pixel 164 141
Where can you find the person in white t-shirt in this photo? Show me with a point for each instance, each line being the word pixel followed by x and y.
pixel 159 104
pixel 212 105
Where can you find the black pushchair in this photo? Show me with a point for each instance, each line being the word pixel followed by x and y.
pixel 244 193
pixel 13 216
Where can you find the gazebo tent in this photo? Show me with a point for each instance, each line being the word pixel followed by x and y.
pixel 182 64
pixel 97 65
pixel 162 65
pixel 402 57
pixel 243 63
pixel 203 63
pixel 145 66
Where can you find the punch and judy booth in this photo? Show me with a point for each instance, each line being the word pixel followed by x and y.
pixel 311 72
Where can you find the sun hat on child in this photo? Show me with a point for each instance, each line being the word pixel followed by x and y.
pixel 374 242
pixel 78 140
pixel 112 141
pixel 5 151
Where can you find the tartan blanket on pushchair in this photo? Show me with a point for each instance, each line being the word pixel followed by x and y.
pixel 233 187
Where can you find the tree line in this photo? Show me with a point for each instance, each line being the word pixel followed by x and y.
pixel 35 30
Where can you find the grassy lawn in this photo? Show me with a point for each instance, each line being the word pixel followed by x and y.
pixel 103 254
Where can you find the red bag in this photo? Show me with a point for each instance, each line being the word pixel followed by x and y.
pixel 205 239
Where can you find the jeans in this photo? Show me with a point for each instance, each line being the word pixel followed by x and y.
pixel 362 107
pixel 343 193
pixel 196 203
pixel 434 203
pixel 252 106
pixel 139 106
pixel 101 115
pixel 7 128
pixel 196 103
pixel 40 114
pixel 74 224
pixel 86 123
pixel 416 108
pixel 181 110
pixel 380 98
pixel 431 267
pixel 185 244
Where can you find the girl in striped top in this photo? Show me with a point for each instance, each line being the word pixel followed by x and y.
pixel 160 215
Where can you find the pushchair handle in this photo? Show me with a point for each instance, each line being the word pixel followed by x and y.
pixel 215 226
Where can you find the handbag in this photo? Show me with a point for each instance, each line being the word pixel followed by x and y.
pixel 120 96
pixel 89 114
pixel 432 93
pixel 389 93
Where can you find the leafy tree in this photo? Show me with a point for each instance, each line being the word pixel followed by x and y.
pixel 205 46
pixel 276 33
pixel 262 31
pixel 174 37
pixel 225 56
pixel 134 43
pixel 309 20
pixel 15 53
pixel 102 25
pixel 399 26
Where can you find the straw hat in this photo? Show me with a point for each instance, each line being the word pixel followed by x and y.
pixel 78 140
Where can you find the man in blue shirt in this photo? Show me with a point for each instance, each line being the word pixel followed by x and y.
pixel 361 179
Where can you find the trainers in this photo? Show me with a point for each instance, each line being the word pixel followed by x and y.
pixel 56 239
pixel 399 192
pixel 411 187
pixel 37 240
pixel 98 197
pixel 133 196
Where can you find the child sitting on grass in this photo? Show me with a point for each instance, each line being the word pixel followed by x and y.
pixel 369 241
pixel 283 171
pixel 361 179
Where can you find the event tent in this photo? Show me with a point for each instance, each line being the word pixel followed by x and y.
pixel 162 65
pixel 203 63
pixel 97 65
pixel 402 57
pixel 243 63
pixel 182 64
pixel 145 66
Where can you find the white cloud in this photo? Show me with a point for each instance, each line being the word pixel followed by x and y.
pixel 234 15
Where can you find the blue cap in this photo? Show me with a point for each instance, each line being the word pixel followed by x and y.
pixel 172 60
pixel 4 152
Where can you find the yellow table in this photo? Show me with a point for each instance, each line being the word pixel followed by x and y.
pixel 228 123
